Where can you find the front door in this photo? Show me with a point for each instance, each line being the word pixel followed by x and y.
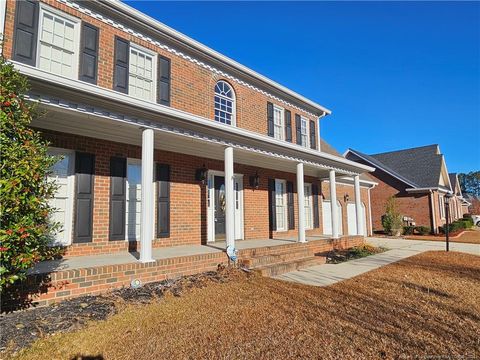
pixel 219 210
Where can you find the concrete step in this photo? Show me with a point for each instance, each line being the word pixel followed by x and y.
pixel 285 267
pixel 269 259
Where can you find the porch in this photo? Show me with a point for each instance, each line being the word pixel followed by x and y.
pixel 54 281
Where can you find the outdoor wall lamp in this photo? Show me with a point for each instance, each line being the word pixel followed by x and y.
pixel 201 174
pixel 346 197
pixel 255 181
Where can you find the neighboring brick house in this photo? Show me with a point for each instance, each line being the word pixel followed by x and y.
pixel 418 179
pixel 166 142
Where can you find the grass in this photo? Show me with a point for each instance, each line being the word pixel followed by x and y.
pixel 422 306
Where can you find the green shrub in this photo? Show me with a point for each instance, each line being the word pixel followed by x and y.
pixel 24 189
pixel 455 226
pixel 408 230
pixel 422 230
pixel 392 220
pixel 468 222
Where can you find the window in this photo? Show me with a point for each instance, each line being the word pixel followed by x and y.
pixel 58 43
pixel 281 204
pixel 441 205
pixel 134 199
pixel 141 75
pixel 308 206
pixel 278 123
pixel 224 103
pixel 304 132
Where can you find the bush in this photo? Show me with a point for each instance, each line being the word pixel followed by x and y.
pixel 392 220
pixel 408 230
pixel 24 189
pixel 468 222
pixel 422 230
pixel 455 226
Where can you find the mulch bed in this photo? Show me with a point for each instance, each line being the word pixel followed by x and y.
pixel 21 328
pixel 338 256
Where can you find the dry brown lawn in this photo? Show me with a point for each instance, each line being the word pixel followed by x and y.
pixel 425 305
pixel 469 236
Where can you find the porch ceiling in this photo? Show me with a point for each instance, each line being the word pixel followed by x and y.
pixel 104 129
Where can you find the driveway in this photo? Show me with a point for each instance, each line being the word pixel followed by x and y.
pixel 328 274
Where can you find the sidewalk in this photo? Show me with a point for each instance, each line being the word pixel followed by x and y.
pixel 328 274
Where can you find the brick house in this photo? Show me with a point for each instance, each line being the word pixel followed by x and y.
pixel 166 144
pixel 418 179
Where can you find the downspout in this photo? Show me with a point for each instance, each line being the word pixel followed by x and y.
pixel 370 225
pixel 434 224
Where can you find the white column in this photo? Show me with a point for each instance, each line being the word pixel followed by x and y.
pixel 229 198
pixel 358 205
pixel 334 208
pixel 146 226
pixel 301 203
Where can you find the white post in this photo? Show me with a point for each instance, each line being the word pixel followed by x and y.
pixel 146 228
pixel 229 198
pixel 358 205
pixel 333 207
pixel 301 204
pixel 3 14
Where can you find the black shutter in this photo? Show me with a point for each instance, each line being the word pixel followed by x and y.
pixel 288 126
pixel 120 73
pixel 270 125
pixel 163 193
pixel 163 91
pixel 290 201
pixel 316 214
pixel 272 217
pixel 313 135
pixel 298 128
pixel 25 32
pixel 84 170
pixel 118 196
pixel 88 54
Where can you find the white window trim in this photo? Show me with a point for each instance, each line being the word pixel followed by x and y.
pixel 44 8
pixel 234 103
pixel 282 122
pixel 285 206
pixel 154 56
pixel 307 127
pixel 441 205
pixel 310 208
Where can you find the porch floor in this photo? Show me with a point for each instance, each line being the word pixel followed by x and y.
pixel 119 258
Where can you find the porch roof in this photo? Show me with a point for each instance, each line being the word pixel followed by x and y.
pixel 107 114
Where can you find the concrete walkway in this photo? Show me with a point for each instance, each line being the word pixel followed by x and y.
pixel 328 274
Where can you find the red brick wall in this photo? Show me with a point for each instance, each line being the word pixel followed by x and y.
pixel 192 86
pixel 416 206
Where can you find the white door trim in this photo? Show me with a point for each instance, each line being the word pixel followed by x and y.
pixel 68 226
pixel 239 214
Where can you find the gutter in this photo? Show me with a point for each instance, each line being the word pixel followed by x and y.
pixel 427 189
pixel 132 13
pixel 112 95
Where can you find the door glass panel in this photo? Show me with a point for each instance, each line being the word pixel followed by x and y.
pixel 134 200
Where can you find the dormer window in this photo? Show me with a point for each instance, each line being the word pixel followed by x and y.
pixel 224 103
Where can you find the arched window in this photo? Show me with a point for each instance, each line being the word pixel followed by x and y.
pixel 224 103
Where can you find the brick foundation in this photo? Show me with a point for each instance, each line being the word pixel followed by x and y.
pixel 44 289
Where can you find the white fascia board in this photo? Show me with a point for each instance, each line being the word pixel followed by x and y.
pixel 381 168
pixel 107 94
pixel 426 189
pixel 156 25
